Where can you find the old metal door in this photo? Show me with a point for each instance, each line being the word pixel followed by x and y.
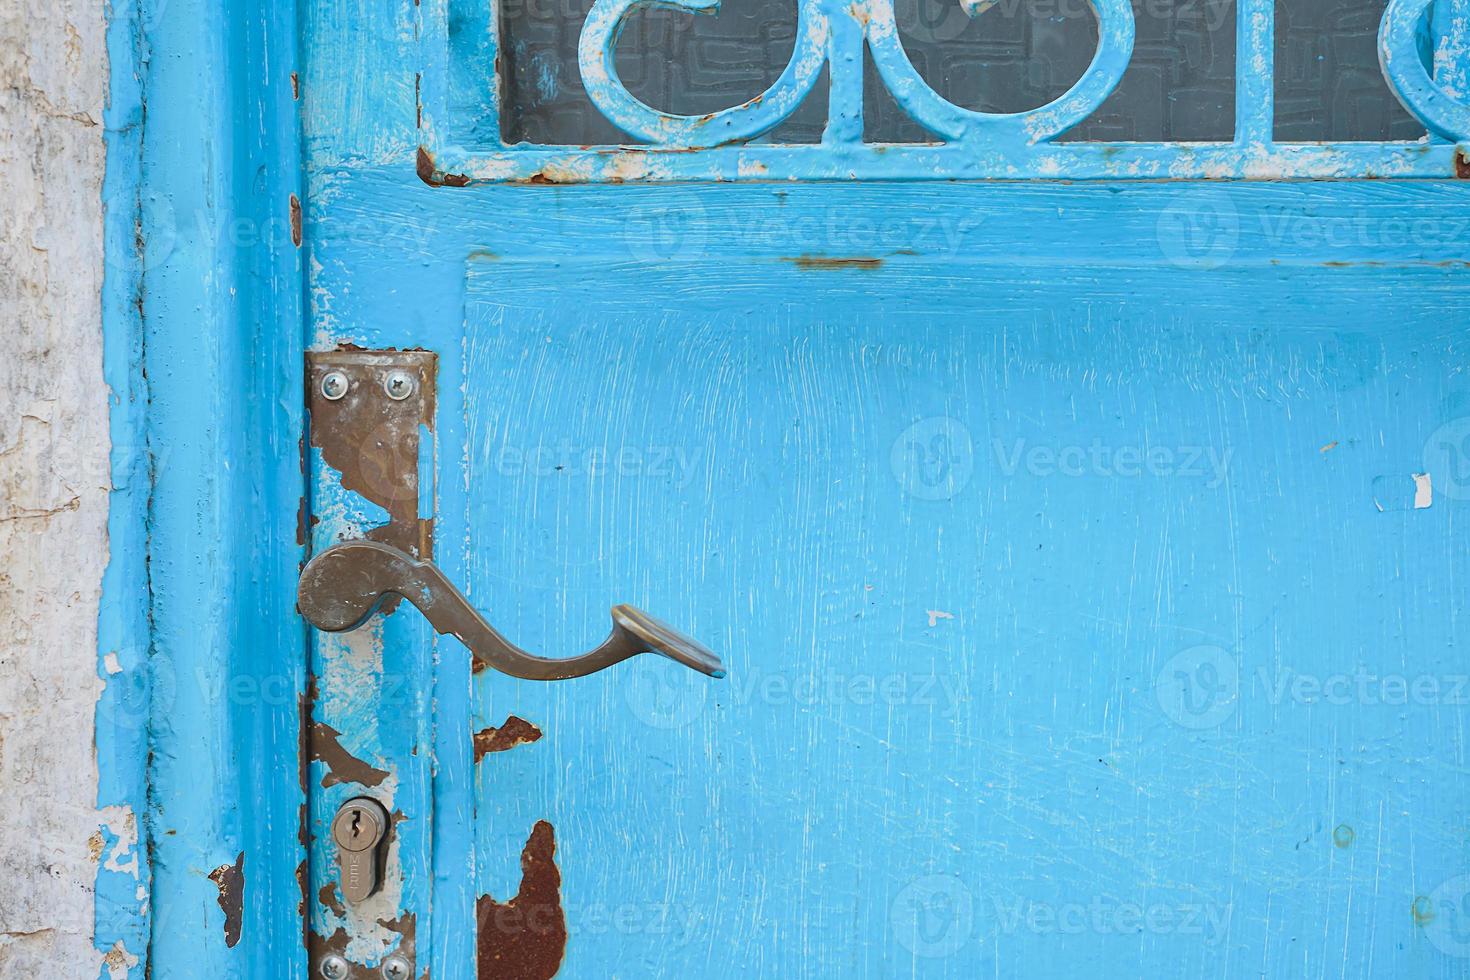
pixel 1080 512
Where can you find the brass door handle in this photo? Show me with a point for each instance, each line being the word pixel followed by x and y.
pixel 345 584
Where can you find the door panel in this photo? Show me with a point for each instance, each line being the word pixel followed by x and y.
pixel 1058 573
pixel 1026 582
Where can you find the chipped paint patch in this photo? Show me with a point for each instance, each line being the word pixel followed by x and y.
pixel 515 731
pixel 119 962
pixel 328 897
pixel 230 880
pixel 525 938
pixel 341 766
pixel 1423 491
pixel 1414 492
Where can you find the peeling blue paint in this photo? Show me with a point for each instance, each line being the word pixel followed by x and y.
pixel 123 902
pixel 198 730
pixel 968 144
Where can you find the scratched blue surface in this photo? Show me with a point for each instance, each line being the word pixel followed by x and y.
pixel 1026 606
pixel 1041 526
pixel 1040 558
pixel 1153 486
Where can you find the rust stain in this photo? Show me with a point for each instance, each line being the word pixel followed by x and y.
pixel 305 521
pixel 342 766
pixel 372 442
pixel 515 731
pixel 1462 164
pixel 1329 447
pixel 429 173
pixel 295 221
pixel 319 947
pixel 230 880
pixel 295 86
pixel 1422 910
pixel 328 897
pixel 1343 836
pixel 304 701
pixel 406 926
pixel 812 262
pixel 525 938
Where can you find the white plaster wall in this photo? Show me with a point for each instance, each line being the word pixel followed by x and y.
pixel 53 479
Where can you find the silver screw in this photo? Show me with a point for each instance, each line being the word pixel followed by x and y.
pixel 396 967
pixel 398 385
pixel 335 967
pixel 334 385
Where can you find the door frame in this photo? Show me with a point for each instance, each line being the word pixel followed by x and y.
pixel 198 728
pixel 201 653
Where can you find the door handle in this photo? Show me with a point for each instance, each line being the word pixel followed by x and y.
pixel 345 584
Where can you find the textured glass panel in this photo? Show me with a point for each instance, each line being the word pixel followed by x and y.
pixel 1008 56
pixel 674 61
pixel 1328 83
pixel 1019 54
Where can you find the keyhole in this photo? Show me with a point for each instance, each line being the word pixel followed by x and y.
pixel 356 824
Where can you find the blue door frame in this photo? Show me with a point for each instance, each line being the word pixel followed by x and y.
pixel 204 659
pixel 198 730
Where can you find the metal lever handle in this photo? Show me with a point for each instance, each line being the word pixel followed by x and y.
pixel 345 584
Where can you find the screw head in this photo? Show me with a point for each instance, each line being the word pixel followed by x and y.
pixel 334 385
pixel 334 967
pixel 396 967
pixel 398 385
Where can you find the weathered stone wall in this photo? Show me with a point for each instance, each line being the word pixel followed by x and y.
pixel 53 479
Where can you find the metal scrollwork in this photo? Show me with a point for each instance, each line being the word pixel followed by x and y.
pixel 1398 53
pixel 835 36
pixel 596 54
pixel 953 122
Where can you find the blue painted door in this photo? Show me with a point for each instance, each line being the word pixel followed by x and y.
pixel 1087 558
